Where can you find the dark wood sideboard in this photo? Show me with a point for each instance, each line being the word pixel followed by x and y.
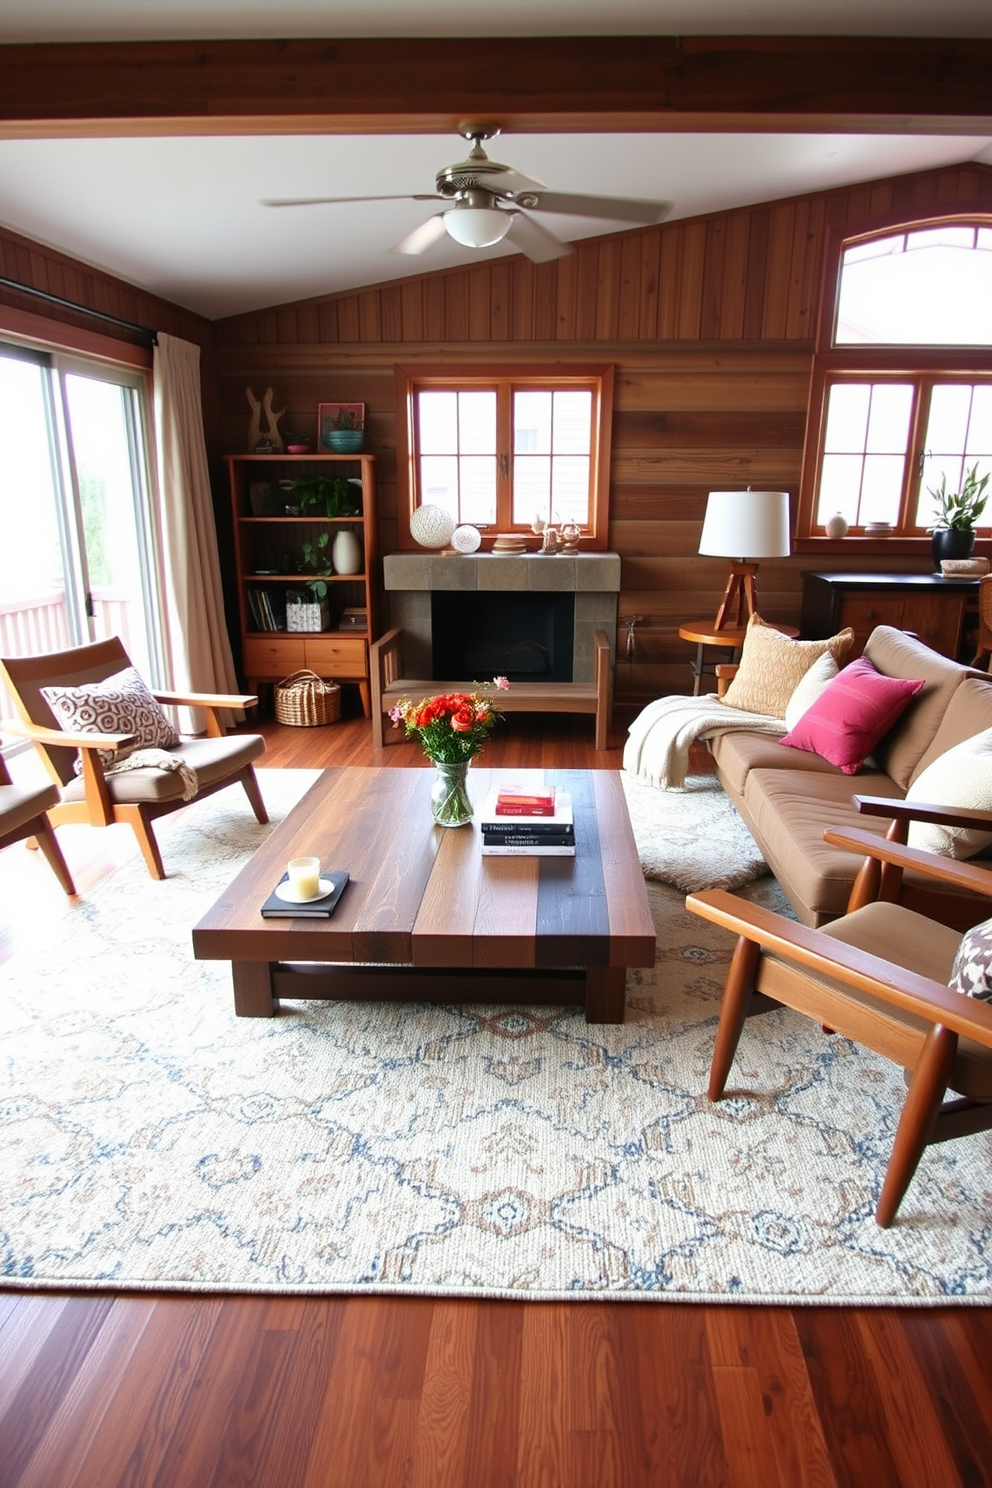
pixel 942 612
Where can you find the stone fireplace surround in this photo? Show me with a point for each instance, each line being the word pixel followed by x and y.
pixel 593 579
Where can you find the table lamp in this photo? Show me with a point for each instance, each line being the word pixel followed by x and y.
pixel 741 526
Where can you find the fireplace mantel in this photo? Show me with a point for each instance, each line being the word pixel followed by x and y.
pixel 593 578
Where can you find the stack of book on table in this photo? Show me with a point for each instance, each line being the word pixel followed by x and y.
pixel 528 820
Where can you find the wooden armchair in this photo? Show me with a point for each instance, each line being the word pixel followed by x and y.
pixel 22 816
pixel 878 975
pixel 136 797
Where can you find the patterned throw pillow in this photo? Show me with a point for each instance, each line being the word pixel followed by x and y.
pixel 771 667
pixel 972 969
pixel 120 704
pixel 962 776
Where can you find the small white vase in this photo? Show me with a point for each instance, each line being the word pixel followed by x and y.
pixel 837 525
pixel 346 553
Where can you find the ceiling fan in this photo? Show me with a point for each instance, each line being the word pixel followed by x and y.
pixel 485 202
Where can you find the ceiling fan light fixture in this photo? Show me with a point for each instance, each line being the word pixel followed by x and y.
pixel 477 227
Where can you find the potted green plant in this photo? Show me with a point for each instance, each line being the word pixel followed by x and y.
pixel 957 512
pixel 307 607
pixel 333 496
pixel 346 434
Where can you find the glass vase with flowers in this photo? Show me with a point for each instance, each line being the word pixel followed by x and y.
pixel 451 729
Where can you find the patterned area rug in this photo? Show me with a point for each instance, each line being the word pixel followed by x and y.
pixel 691 838
pixel 153 1140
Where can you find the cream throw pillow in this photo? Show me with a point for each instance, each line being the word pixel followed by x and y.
pixel 961 777
pixel 809 688
pixel 771 667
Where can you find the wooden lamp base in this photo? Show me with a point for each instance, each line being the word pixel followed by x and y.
pixel 739 600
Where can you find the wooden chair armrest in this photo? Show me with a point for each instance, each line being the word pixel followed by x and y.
pixel 44 735
pixel 206 699
pixel 907 811
pixel 893 985
pixel 945 870
pixel 387 643
pixel 725 671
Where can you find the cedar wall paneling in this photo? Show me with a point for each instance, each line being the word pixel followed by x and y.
pixel 710 325
pixel 45 269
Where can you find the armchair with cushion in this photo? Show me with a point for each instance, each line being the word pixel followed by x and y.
pixel 904 984
pixel 22 815
pixel 110 749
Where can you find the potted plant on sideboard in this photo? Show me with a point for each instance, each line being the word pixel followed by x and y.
pixel 956 513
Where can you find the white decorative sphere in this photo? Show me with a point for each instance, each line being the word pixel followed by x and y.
pixel 466 539
pixel 432 526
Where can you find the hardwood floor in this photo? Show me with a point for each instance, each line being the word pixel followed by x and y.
pixel 166 1391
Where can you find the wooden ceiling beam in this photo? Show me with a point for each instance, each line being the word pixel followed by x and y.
pixel 535 85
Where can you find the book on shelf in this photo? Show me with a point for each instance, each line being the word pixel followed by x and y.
pixel 278 908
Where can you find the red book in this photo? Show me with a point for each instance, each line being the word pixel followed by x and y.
pixel 524 808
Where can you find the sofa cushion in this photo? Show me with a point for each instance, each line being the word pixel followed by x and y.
pixel 961 777
pixel 969 712
pixel 897 654
pixel 772 665
pixel 852 714
pixel 738 752
pixel 791 810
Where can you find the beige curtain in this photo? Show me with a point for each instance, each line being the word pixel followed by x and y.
pixel 197 643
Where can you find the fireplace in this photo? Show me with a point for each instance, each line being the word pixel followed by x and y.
pixel 524 602
pixel 524 637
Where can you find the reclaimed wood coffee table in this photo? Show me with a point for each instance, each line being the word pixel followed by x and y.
pixel 425 916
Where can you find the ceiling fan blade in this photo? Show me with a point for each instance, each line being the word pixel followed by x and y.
pixel 620 208
pixel 422 237
pixel 324 201
pixel 533 239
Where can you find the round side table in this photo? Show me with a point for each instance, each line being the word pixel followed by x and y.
pixel 726 643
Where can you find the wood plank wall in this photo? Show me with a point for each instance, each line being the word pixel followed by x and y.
pixel 710 323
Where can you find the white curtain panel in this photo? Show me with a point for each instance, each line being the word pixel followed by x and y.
pixel 197 642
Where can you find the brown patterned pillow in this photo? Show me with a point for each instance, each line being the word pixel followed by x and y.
pixel 120 704
pixel 771 666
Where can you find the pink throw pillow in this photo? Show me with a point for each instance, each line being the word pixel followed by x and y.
pixel 852 713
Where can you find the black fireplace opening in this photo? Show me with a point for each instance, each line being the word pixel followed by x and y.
pixel 526 637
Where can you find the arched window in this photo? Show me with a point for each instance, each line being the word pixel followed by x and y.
pixel 901 393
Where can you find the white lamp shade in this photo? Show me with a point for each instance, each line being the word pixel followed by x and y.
pixel 746 524
pixel 477 227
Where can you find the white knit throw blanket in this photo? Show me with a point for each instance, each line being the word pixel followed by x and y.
pixel 657 748
pixel 158 759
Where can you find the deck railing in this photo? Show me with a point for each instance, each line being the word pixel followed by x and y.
pixel 31 627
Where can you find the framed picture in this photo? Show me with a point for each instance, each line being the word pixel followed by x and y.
pixel 334 417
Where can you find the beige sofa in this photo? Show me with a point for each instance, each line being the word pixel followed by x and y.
pixel 788 797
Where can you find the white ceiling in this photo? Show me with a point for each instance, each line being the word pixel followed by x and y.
pixel 182 217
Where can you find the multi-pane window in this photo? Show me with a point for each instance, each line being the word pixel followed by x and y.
pixel 902 385
pixel 510 453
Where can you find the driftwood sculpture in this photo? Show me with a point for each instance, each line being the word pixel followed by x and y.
pixel 271 442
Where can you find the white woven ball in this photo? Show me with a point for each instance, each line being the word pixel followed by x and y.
pixel 432 526
pixel 466 539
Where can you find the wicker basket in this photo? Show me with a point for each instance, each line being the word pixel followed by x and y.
pixel 306 700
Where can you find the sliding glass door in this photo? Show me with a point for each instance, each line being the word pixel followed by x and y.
pixel 77 560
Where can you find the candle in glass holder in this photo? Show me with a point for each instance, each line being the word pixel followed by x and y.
pixel 304 877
